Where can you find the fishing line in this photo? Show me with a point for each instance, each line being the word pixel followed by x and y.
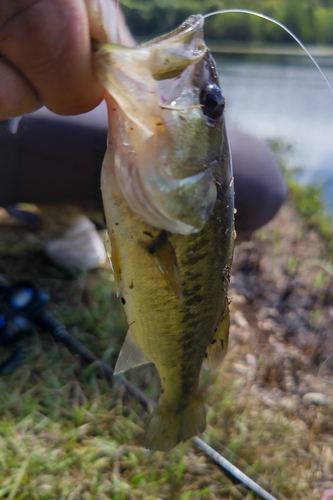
pixel 233 470
pixel 267 18
pixel 326 366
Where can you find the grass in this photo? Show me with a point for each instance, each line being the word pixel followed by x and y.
pixel 65 433
pixel 307 198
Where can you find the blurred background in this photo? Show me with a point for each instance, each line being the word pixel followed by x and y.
pixel 272 88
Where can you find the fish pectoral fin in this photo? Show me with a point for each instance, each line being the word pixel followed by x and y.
pixel 130 355
pixel 165 260
pixel 218 346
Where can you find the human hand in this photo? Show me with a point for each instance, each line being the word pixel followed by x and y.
pixel 46 54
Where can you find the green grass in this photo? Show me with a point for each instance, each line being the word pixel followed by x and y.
pixel 307 198
pixel 65 433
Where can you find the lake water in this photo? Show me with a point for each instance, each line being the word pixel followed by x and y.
pixel 289 101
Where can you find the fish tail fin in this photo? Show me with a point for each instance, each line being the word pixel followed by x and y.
pixel 165 429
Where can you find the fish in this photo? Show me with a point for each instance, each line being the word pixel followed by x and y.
pixel 168 195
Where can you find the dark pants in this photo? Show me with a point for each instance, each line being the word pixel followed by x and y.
pixel 46 158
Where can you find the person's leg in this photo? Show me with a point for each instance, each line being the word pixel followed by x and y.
pixel 55 162
pixel 56 159
pixel 48 159
pixel 259 186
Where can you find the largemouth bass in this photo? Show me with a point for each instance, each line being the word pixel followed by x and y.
pixel 167 189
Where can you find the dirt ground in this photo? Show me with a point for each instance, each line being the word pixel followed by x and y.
pixel 282 317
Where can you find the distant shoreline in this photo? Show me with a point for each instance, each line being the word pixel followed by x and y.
pixel 259 48
pixel 269 49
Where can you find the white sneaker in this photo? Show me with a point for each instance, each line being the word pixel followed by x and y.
pixel 78 247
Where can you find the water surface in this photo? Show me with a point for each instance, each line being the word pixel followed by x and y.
pixel 289 100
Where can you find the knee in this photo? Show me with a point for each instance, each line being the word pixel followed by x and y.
pixel 259 186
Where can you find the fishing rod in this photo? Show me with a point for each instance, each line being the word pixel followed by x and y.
pixel 23 305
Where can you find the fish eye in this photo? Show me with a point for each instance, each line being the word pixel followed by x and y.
pixel 212 101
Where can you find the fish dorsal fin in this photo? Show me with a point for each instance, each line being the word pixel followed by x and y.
pixel 218 346
pixel 130 355
pixel 165 260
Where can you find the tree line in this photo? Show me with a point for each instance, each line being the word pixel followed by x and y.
pixel 310 20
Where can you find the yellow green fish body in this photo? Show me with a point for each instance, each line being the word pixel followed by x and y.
pixel 168 197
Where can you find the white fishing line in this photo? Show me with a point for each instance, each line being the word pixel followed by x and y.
pixel 267 18
pixel 233 470
pixel 325 366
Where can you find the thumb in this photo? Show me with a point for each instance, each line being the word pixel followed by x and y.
pixel 107 23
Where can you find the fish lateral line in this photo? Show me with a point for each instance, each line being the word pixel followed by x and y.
pixel 274 21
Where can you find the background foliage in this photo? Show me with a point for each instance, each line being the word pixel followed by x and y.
pixel 310 20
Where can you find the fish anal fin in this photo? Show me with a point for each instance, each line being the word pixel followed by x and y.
pixel 165 259
pixel 218 346
pixel 130 355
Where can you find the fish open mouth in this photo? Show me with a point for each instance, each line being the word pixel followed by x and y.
pixel 167 143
